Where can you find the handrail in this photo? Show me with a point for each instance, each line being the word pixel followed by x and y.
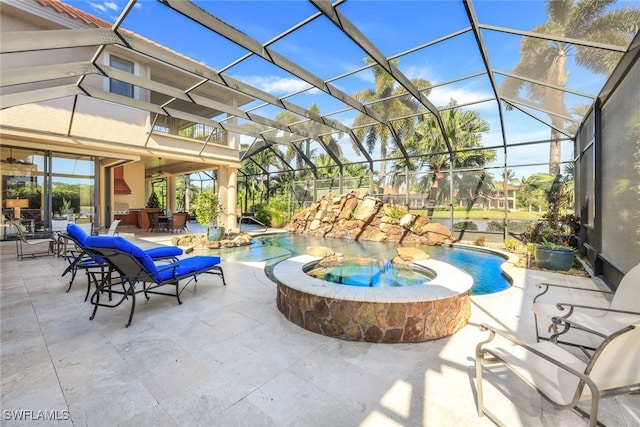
pixel 252 218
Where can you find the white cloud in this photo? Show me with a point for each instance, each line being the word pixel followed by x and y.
pixel 108 7
pixel 440 97
pixel 111 5
pixel 99 6
pixel 419 73
pixel 275 85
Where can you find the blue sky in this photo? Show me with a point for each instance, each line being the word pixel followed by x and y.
pixel 393 26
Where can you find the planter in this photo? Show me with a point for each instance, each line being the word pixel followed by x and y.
pixel 214 234
pixel 559 259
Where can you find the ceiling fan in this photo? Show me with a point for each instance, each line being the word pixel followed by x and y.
pixel 159 171
pixel 13 161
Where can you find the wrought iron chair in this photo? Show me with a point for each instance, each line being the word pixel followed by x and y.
pixel 600 322
pixel 135 267
pixel 155 224
pixel 561 377
pixel 178 221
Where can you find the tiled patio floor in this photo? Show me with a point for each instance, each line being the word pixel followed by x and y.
pixel 227 357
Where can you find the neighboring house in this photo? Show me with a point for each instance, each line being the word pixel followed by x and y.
pixel 496 200
pixel 113 143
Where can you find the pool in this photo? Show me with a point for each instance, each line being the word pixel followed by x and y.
pixel 483 265
pixel 371 273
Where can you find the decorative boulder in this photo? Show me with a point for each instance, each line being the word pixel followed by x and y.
pixel 321 251
pixel 358 216
pixel 411 254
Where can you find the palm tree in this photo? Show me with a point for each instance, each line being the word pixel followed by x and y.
pixel 389 101
pixel 305 146
pixel 579 110
pixel 326 167
pixel 472 184
pixel 510 177
pixel 464 130
pixel 546 60
pixel 254 170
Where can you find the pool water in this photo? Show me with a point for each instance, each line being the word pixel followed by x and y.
pixel 372 273
pixel 482 265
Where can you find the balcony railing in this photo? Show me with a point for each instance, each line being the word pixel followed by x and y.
pixel 201 132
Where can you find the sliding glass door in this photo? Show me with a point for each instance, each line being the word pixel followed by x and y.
pixel 38 186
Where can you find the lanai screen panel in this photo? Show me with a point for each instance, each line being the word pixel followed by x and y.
pixel 621 173
pixel 323 61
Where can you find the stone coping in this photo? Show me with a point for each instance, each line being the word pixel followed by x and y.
pixel 449 281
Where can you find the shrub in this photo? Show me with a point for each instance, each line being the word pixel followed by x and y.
pixel 518 226
pixel 510 244
pixel 495 225
pixel 262 213
pixel 275 213
pixel 353 214
pixel 395 212
pixel 465 225
pixel 207 208
pixel 480 240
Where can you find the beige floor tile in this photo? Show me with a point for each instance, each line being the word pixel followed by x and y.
pixel 227 357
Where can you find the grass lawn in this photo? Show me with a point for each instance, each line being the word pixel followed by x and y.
pixel 497 214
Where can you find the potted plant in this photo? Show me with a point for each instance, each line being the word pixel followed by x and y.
pixel 553 256
pixel 554 235
pixel 66 210
pixel 207 209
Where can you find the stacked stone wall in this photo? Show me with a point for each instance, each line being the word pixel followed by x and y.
pixel 359 216
pixel 383 322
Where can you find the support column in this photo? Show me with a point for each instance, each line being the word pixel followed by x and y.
pixel 171 193
pixel 227 192
pixel 232 199
pixel 233 138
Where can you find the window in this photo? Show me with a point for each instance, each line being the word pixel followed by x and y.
pixel 117 86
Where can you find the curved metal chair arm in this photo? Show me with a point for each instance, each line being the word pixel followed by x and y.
pixel 611 370
pixel 564 305
pixel 547 286
pixel 566 325
pixel 530 349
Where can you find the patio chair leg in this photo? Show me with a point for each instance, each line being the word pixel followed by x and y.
pixel 178 291
pixel 89 274
pixel 95 303
pixel 133 306
pixel 74 271
pixel 479 387
pixel 70 268
pixel 144 288
pixel 218 268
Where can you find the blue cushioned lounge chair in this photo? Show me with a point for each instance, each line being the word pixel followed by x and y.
pixel 79 258
pixel 136 266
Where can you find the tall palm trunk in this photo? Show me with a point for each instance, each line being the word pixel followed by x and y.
pixel 383 167
pixel 433 192
pixel 554 99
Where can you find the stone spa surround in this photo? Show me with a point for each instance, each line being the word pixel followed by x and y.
pixel 416 313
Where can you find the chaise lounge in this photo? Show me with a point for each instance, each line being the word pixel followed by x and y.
pixel 79 258
pixel 139 274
